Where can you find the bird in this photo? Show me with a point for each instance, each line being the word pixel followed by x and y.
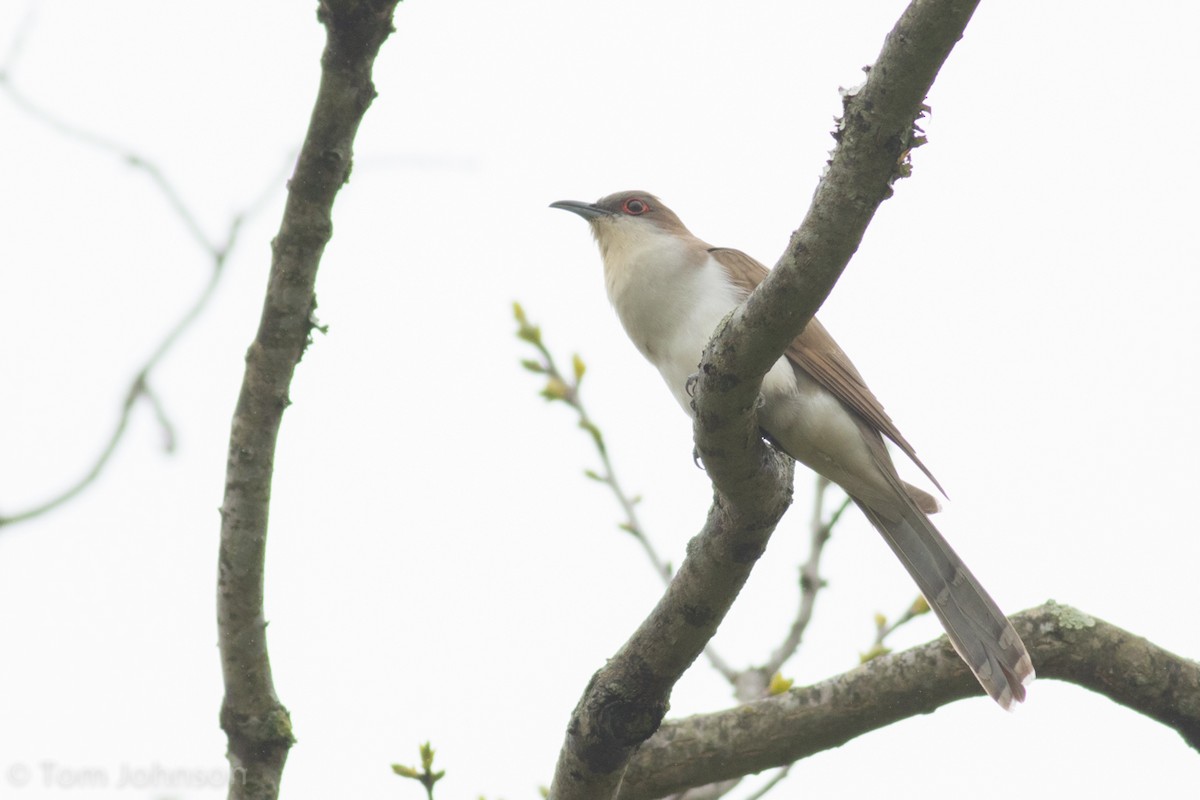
pixel 671 289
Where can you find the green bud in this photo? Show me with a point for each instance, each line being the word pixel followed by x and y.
pixel 555 389
pixel 779 684
pixel 874 653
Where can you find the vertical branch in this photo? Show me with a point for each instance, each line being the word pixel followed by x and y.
pixel 256 723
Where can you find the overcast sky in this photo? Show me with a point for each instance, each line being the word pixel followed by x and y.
pixel 438 566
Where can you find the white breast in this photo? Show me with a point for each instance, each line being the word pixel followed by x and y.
pixel 669 294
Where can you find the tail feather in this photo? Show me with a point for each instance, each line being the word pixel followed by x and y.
pixel 979 631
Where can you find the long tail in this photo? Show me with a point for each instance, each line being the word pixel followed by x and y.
pixel 979 631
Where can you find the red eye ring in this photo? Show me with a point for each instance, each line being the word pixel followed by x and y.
pixel 635 206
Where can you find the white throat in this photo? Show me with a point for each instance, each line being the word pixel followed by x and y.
pixel 669 293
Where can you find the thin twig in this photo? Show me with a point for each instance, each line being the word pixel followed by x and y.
pixel 17 46
pixel 139 386
pixel 218 252
pixel 566 390
pixel 126 154
pixel 811 581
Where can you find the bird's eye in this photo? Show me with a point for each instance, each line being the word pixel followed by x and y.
pixel 634 207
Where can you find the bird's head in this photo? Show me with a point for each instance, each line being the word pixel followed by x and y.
pixel 625 218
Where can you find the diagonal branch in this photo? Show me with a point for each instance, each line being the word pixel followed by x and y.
pixel 875 135
pixel 256 723
pixel 1065 643
pixel 626 700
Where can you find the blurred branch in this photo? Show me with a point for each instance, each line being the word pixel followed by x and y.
pixel 624 702
pixel 1065 643
pixel 125 153
pixel 217 251
pixel 16 47
pixel 257 725
pixel 811 582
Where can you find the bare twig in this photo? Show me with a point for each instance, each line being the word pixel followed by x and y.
pixel 81 134
pixel 256 723
pixel 811 582
pixel 17 45
pixel 218 252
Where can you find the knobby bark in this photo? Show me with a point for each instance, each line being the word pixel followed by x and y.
pixel 625 701
pixel 1065 643
pixel 256 723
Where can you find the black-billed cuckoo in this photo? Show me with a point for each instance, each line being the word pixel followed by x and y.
pixel 671 289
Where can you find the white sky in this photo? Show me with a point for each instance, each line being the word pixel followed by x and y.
pixel 438 567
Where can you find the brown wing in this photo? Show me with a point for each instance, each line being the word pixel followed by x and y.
pixel 815 352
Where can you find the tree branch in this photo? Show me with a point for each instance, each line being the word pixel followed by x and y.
pixel 256 723
pixel 626 700
pixel 1065 644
